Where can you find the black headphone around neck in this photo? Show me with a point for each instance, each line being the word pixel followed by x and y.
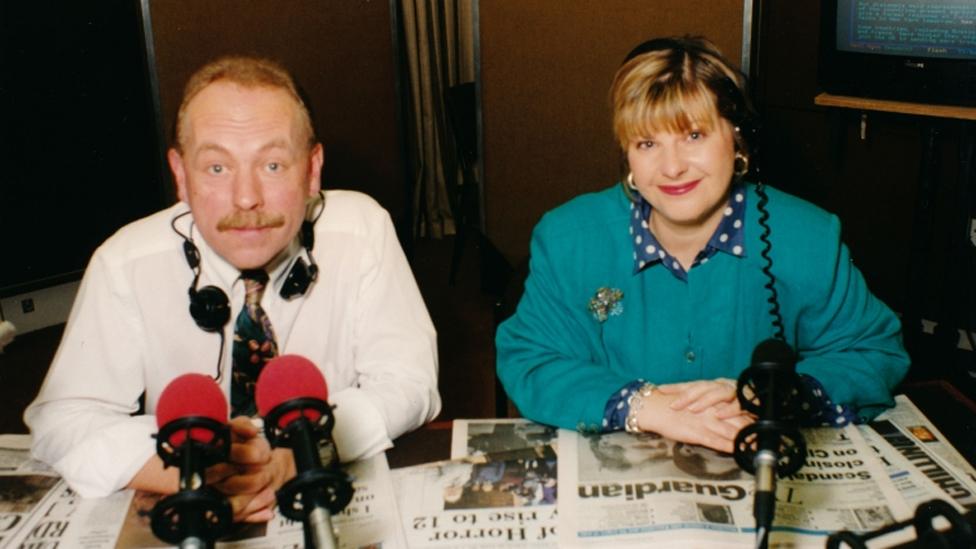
pixel 210 307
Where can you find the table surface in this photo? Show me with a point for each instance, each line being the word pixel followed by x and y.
pixel 952 413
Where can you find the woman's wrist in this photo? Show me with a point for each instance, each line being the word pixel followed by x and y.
pixel 636 404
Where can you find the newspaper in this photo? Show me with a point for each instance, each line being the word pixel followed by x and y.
pixel 915 488
pixel 915 452
pixel 15 456
pixel 480 501
pixel 62 519
pixel 637 490
pixel 913 423
pixel 499 488
pixel 30 509
pixel 29 490
pixel 474 437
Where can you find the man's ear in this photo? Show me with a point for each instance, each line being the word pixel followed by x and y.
pixel 179 173
pixel 315 159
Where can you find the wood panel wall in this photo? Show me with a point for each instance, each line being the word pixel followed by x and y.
pixel 340 52
pixel 546 68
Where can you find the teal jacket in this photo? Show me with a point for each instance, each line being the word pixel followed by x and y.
pixel 560 363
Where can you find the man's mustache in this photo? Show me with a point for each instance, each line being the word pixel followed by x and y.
pixel 250 220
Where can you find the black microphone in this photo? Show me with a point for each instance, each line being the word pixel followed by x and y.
pixel 960 534
pixel 772 445
pixel 291 396
pixel 193 435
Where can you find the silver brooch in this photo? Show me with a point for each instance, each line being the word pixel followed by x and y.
pixel 606 303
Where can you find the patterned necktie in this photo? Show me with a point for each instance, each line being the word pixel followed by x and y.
pixel 254 344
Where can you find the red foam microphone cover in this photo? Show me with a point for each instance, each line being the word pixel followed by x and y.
pixel 286 378
pixel 191 395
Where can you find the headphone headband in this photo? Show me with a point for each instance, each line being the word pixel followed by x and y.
pixel 678 45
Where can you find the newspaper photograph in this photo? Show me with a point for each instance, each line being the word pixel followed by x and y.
pixel 23 499
pixel 624 489
pixel 475 437
pixel 46 523
pixel 123 520
pixel 480 501
pixel 26 488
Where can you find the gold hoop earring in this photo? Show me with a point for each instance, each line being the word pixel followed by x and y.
pixel 630 182
pixel 741 164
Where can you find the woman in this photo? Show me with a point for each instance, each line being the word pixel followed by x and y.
pixel 664 277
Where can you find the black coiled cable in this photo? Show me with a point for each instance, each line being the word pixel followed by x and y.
pixel 767 269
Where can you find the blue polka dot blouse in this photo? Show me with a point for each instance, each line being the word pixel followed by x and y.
pixel 728 238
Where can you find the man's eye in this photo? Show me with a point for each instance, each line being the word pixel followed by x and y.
pixel 216 169
pixel 274 166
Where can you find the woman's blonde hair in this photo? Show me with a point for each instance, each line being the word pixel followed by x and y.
pixel 679 84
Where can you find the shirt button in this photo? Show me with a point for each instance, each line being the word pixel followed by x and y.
pixel 690 356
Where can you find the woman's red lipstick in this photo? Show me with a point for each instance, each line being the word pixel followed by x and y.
pixel 676 190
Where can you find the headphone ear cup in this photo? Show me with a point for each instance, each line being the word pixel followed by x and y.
pixel 299 278
pixel 209 308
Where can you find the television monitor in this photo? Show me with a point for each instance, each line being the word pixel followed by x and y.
pixel 921 51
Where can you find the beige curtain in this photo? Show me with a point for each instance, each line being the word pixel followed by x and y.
pixel 439 46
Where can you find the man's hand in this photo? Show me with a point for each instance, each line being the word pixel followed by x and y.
pixel 253 474
pixel 699 412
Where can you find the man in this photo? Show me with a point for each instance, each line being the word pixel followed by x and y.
pixel 246 166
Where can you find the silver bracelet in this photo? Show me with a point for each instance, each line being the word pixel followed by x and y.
pixel 636 402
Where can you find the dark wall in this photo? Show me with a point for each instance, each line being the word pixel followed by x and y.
pixel 82 153
pixel 817 153
pixel 900 214
pixel 77 127
pixel 546 69
pixel 341 53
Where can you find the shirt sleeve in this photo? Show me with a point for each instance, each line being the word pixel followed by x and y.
pixel 549 352
pixel 81 422
pixel 395 355
pixel 618 408
pixel 818 410
pixel 847 339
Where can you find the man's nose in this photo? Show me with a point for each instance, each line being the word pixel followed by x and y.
pixel 247 191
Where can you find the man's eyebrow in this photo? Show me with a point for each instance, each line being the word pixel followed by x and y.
pixel 276 144
pixel 211 147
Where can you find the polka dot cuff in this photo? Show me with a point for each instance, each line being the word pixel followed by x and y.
pixel 817 409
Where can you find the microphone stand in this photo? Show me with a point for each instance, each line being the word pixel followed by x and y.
pixel 316 493
pixel 961 532
pixel 772 445
pixel 196 515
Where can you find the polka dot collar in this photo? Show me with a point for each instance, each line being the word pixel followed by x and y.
pixel 729 236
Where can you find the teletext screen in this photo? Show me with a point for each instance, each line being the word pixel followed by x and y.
pixel 910 28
